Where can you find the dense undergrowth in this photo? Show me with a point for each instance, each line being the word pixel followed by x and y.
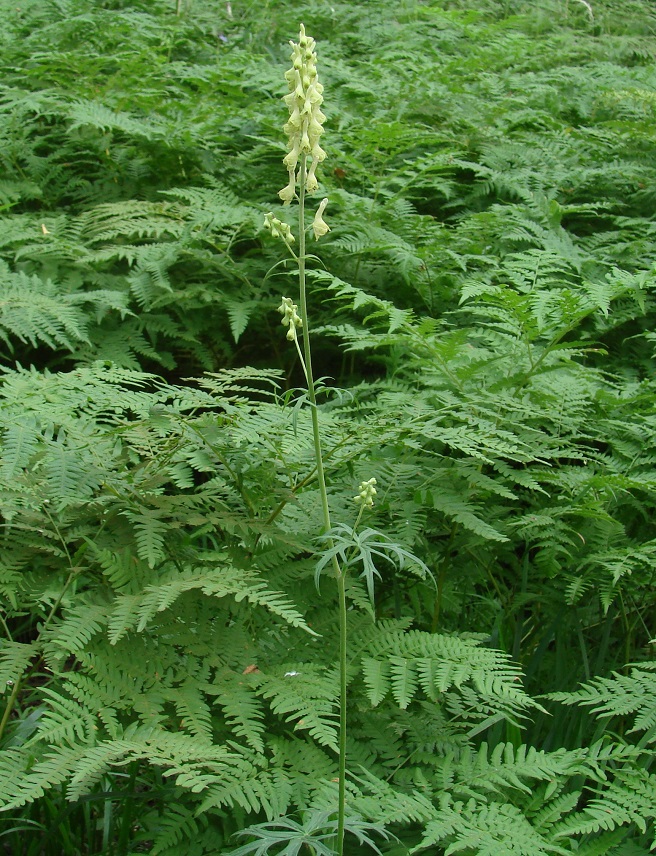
pixel 483 314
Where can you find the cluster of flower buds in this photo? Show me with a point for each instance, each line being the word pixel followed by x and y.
pixel 367 493
pixel 290 317
pixel 278 229
pixel 305 124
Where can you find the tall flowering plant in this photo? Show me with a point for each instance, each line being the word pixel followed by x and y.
pixel 304 129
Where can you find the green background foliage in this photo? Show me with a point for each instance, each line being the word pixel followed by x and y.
pixel 483 317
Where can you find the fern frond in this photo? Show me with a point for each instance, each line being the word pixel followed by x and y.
pixel 629 799
pixel 486 829
pixel 442 662
pixel 179 824
pixel 22 781
pixel 620 695
pixel 138 610
pixel 15 657
pixel 307 698
pixel 243 714
pixel 73 633
pixel 37 312
pixel 267 791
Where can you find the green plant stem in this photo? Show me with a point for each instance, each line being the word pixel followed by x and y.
pixel 437 606
pixel 341 806
pixel 5 627
pixel 306 348
pixel 11 701
pixel 294 490
pixel 340 576
pixel 128 814
pixel 300 356
pixel 223 461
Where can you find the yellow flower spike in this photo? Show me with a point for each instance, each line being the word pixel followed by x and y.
pixel 319 226
pixel 305 124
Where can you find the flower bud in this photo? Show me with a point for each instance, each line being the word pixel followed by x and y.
pixel 290 317
pixel 367 493
pixel 278 229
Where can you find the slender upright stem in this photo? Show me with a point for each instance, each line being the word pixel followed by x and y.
pixel 306 347
pixel 5 627
pixel 11 701
pixel 340 576
pixel 341 590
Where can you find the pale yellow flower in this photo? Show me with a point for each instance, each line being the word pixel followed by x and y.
pixel 319 225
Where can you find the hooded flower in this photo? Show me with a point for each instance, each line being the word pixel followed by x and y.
pixel 319 226
pixel 305 123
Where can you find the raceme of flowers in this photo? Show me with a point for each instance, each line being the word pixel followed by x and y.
pixel 305 124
